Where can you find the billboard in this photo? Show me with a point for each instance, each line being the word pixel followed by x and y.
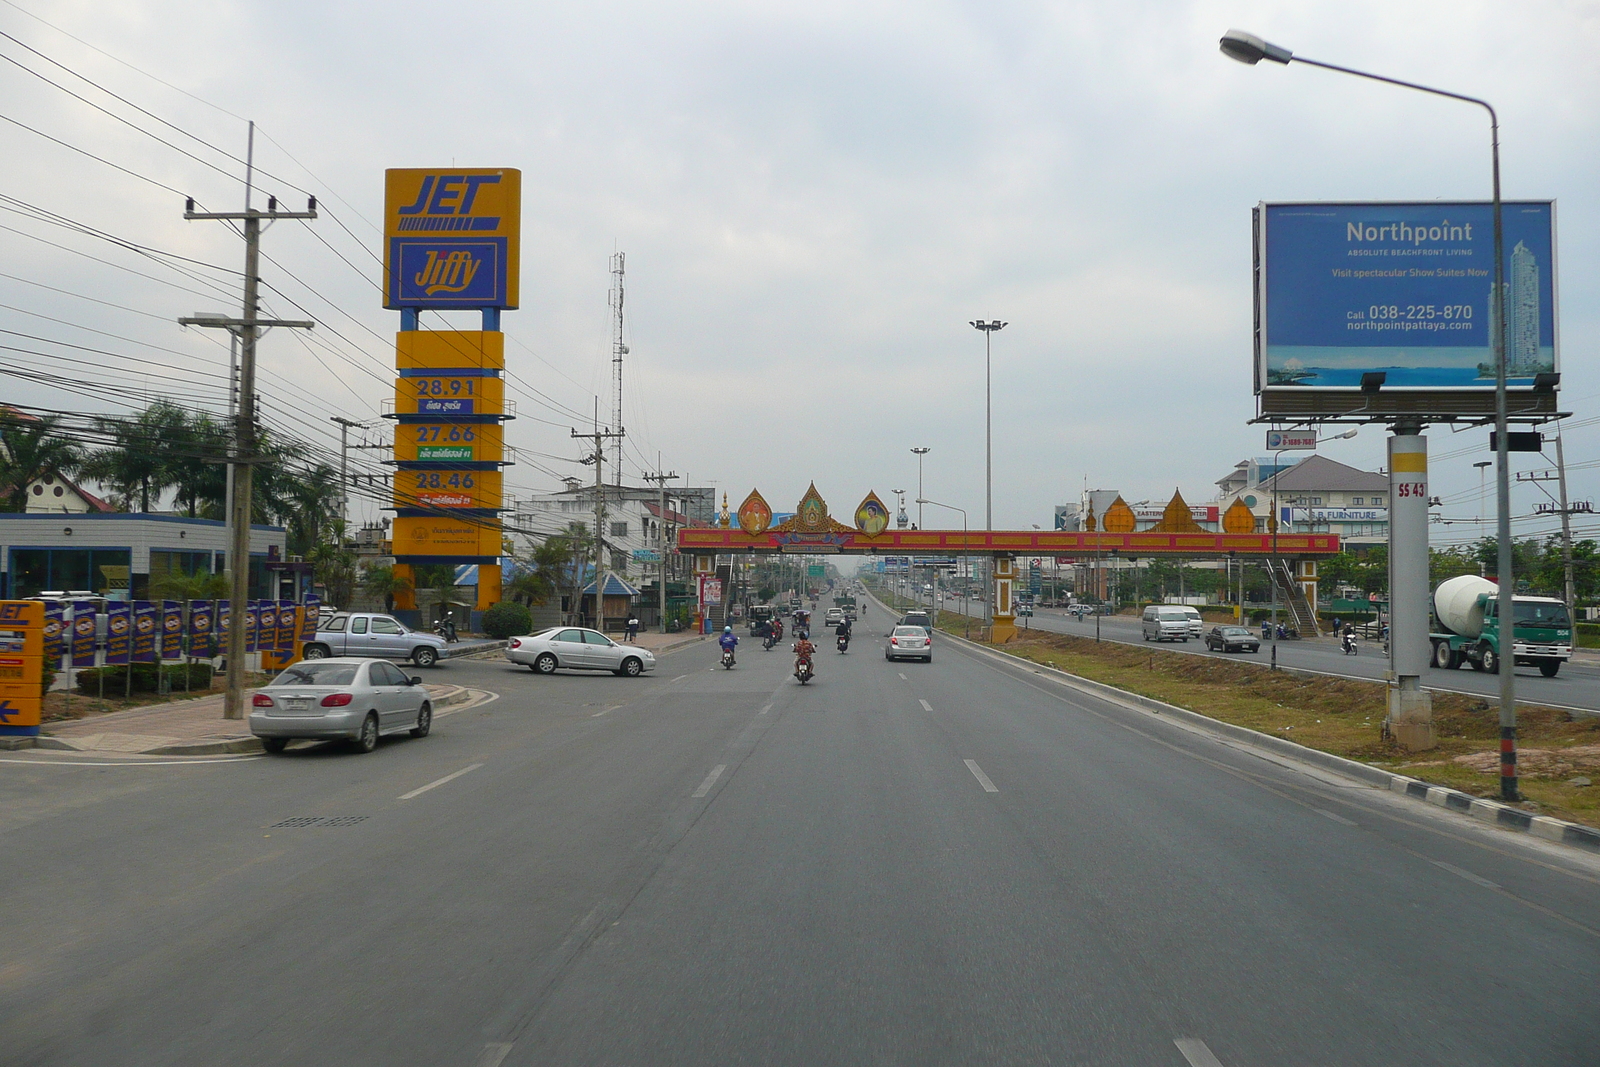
pixel 453 237
pixel 1405 290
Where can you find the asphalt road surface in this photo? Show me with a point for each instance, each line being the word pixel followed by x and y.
pixel 1577 686
pixel 959 862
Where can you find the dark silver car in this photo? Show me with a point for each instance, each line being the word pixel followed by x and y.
pixel 356 699
pixel 1232 639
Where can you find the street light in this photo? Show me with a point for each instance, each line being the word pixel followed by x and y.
pixel 989 329
pixel 919 453
pixel 966 627
pixel 1250 49
pixel 1277 521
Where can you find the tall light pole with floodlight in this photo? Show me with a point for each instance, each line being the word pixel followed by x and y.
pixel 919 453
pixel 1250 49
pixel 988 329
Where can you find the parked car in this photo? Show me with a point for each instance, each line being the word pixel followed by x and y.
pixel 365 634
pixel 909 642
pixel 1232 639
pixel 1165 622
pixel 574 648
pixel 357 699
pixel 917 618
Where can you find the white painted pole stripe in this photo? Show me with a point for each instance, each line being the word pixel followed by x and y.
pixel 1468 875
pixel 711 780
pixel 925 705
pixel 441 781
pixel 983 779
pixel 1194 1050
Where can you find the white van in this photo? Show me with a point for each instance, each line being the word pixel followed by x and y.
pixel 1165 622
pixel 1197 625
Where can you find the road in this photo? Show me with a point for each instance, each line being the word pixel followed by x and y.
pixel 1577 686
pixel 956 862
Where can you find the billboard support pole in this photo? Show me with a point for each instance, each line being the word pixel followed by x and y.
pixel 1410 718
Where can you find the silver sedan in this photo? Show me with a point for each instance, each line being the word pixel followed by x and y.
pixel 575 648
pixel 909 642
pixel 357 699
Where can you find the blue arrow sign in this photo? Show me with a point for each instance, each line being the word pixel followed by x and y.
pixel 6 711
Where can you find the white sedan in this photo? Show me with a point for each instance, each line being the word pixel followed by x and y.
pixel 574 648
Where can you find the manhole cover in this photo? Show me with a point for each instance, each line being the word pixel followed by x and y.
pixel 321 820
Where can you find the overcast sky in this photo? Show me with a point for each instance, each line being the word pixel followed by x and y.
pixel 814 200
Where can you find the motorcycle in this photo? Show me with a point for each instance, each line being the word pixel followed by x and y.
pixel 844 642
pixel 446 628
pixel 1348 641
pixel 804 671
pixel 770 640
pixel 727 659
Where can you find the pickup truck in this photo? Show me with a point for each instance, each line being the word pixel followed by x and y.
pixel 357 633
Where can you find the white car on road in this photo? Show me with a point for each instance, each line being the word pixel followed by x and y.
pixel 575 648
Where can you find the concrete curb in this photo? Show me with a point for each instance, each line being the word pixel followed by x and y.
pixel 1503 815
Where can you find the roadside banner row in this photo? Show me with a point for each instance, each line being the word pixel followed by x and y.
pixel 147 631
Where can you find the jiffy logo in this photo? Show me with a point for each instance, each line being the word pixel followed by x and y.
pixel 451 272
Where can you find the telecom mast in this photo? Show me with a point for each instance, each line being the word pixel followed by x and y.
pixel 618 350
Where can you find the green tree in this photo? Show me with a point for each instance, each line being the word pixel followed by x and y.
pixel 196 466
pixel 138 464
pixel 32 449
pixel 334 567
pixel 384 582
pixel 179 586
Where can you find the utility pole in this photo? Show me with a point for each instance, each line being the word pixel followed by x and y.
pixel 1569 589
pixel 344 468
pixel 244 427
pixel 661 478
pixel 618 350
pixel 598 458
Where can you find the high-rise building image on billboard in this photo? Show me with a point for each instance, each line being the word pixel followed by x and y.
pixel 1523 359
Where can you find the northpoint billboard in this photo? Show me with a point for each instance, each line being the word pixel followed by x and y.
pixel 1405 289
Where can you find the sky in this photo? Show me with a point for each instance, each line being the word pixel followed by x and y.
pixel 814 200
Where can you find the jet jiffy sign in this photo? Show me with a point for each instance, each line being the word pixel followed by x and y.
pixel 453 238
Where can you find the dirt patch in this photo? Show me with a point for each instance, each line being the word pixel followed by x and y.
pixel 1539 762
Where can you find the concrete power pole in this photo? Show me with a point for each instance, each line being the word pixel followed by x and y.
pixel 598 458
pixel 618 350
pixel 244 432
pixel 661 478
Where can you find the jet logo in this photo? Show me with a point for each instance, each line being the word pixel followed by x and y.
pixel 445 202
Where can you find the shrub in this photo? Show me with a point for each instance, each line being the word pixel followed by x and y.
pixel 179 676
pixel 507 619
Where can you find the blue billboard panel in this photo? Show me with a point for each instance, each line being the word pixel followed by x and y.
pixel 441 272
pixel 1405 289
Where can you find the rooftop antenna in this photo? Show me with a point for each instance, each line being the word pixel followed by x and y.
pixel 618 350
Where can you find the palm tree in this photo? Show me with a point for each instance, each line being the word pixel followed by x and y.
pixel 138 464
pixel 196 467
pixel 335 567
pixel 382 581
pixel 33 448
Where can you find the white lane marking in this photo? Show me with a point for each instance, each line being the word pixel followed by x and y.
pixel 608 707
pixel 1194 1050
pixel 1468 875
pixel 192 761
pixel 983 779
pixel 493 1054
pixel 902 675
pixel 711 780
pixel 766 709
pixel 925 705
pixel 680 677
pixel 1340 819
pixel 441 781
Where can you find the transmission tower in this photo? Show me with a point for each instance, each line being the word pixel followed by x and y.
pixel 618 350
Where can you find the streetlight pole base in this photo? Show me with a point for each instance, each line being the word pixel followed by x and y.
pixel 1411 719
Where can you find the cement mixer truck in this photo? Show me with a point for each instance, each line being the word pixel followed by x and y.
pixel 1467 631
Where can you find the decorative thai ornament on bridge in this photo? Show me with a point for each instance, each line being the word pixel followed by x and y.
pixel 872 518
pixel 811 515
pixel 1238 519
pixel 724 521
pixel 754 515
pixel 1177 518
pixel 1119 518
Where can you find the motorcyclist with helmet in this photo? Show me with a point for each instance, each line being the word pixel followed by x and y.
pixel 728 640
pixel 804 650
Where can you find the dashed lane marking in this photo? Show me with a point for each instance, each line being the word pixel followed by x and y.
pixel 493 1054
pixel 711 780
pixel 902 675
pixel 1468 875
pixel 441 781
pixel 983 779
pixel 925 705
pixel 1195 1051
pixel 1340 819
